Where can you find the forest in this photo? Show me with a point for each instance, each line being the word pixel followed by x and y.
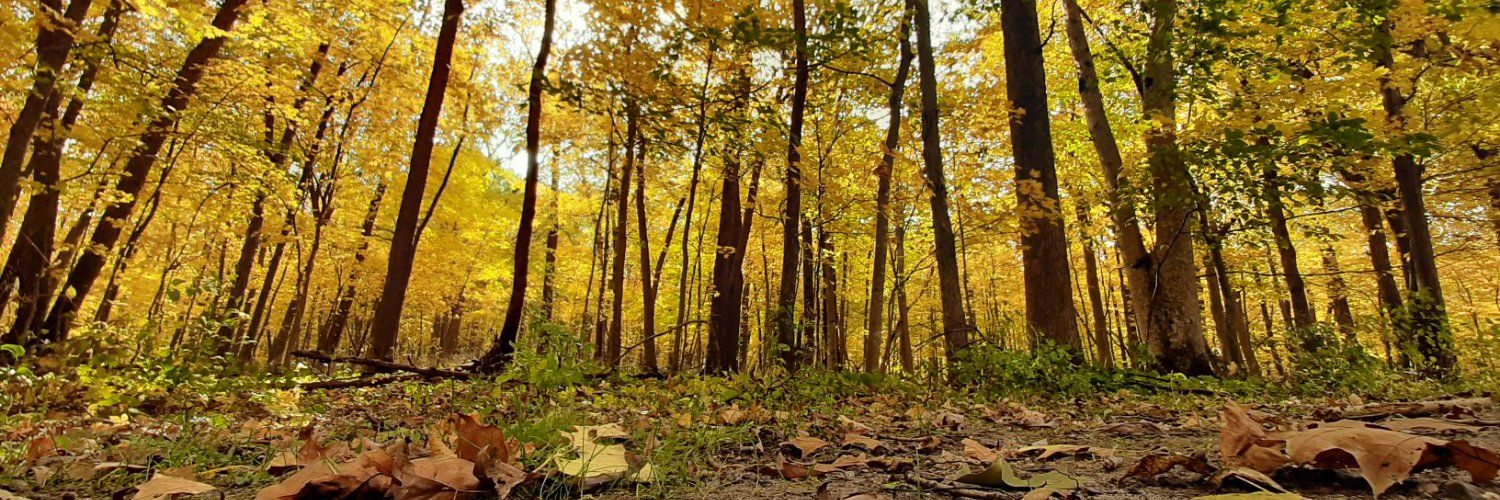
pixel 831 249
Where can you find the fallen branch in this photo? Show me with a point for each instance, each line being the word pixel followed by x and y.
pixel 959 491
pixel 383 366
pixel 358 382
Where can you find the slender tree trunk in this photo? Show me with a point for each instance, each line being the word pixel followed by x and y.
pixel 955 326
pixel 648 282
pixel 1371 218
pixel 1338 294
pixel 1302 312
pixel 1175 318
pixel 1433 340
pixel 883 172
pixel 622 218
pixel 339 319
pixel 1044 244
pixel 832 323
pixel 81 279
pixel 675 363
pixel 549 262
pixel 387 321
pixel 505 345
pixel 54 42
pixel 1103 353
pixel 786 299
pixel 903 322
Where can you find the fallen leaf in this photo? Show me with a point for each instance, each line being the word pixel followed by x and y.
pixel 484 445
pixel 164 486
pixel 949 420
pixel 1157 464
pixel 854 427
pixel 1242 442
pixel 805 446
pixel 1427 425
pixel 1136 428
pixel 1385 457
pixel 863 442
pixel 929 444
pixel 1046 493
pixel 1000 475
pixel 40 447
pixel 978 451
pixel 785 469
pixel 1258 495
pixel 1246 476
pixel 1048 452
pixel 1033 419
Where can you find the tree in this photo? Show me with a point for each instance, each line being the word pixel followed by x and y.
pixel 876 308
pixel 1044 244
pixel 791 215
pixel 955 325
pixel 505 345
pixel 387 320
pixel 81 279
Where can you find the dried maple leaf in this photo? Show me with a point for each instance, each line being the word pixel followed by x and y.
pixel 1385 457
pixel 804 446
pixel 1242 442
pixel 978 451
pixel 479 443
pixel 863 442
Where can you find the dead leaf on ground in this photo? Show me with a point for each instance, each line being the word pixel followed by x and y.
pixel 1048 452
pixel 1032 419
pixel 949 420
pixel 162 486
pixel 1000 475
pixel 1245 476
pixel 864 442
pixel 804 446
pixel 1257 495
pixel 1428 425
pixel 1242 442
pixel 785 469
pixel 979 451
pixel 1157 464
pixel 929 444
pixel 1049 493
pixel 854 427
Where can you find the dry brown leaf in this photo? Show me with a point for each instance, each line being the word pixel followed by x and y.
pixel 481 444
pixel 1134 428
pixel 949 420
pixel 1157 464
pixel 929 444
pixel 978 451
pixel 164 486
pixel 891 465
pixel 804 446
pixel 1033 419
pixel 785 469
pixel 1428 425
pixel 863 442
pixel 40 447
pixel 1242 442
pixel 1246 476
pixel 1384 457
pixel 854 427
pixel 1048 452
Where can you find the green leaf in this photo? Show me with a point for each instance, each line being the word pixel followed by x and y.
pixel 1000 475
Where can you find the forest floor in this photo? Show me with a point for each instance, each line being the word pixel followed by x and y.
pixel 823 436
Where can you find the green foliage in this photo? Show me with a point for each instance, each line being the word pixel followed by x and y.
pixel 554 359
pixel 1050 369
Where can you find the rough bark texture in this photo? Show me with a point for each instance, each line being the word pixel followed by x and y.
pixel 955 326
pixel 1102 352
pixel 621 237
pixel 726 303
pixel 133 179
pixel 1302 312
pixel 786 299
pixel 1338 294
pixel 1044 243
pixel 387 320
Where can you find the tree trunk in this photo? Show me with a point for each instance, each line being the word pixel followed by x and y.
pixel 1044 243
pixel 955 325
pixel 648 282
pixel 622 227
pixel 1103 354
pixel 387 320
pixel 883 172
pixel 1338 295
pixel 54 41
pixel 726 303
pixel 903 323
pixel 1302 313
pixel 30 257
pixel 675 362
pixel 339 320
pixel 505 345
pixel 81 279
pixel 1433 340
pixel 549 258
pixel 1175 318
pixel 786 299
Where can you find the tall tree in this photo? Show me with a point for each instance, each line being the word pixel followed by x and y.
pixel 1302 311
pixel 1175 317
pixel 876 307
pixel 387 320
pixel 505 345
pixel 621 233
pixel 54 42
pixel 1102 352
pixel 1044 243
pixel 791 215
pixel 159 125
pixel 726 303
pixel 955 325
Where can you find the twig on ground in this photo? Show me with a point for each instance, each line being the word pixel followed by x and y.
pixel 384 366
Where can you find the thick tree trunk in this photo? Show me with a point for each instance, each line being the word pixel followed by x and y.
pixel 30 258
pixel 81 279
pixel 505 345
pixel 1044 243
pixel 387 320
pixel 883 172
pixel 955 326
pixel 786 299
pixel 1174 323
pixel 726 303
pixel 54 41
